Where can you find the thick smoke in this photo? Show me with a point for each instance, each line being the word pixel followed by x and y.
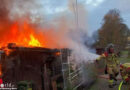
pixel 65 29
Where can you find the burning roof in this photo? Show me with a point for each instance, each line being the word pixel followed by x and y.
pixel 22 35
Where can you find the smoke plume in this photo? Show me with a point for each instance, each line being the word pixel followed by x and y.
pixel 63 29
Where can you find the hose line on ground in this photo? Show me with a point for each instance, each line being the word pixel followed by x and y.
pixel 120 85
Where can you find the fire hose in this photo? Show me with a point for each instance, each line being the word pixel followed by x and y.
pixel 120 85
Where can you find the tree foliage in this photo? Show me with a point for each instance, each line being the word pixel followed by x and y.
pixel 113 30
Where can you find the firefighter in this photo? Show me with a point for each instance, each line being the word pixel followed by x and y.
pixel 125 72
pixel 112 64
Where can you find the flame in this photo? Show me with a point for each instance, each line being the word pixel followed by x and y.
pixel 7 51
pixel 34 41
pixel 57 53
pixel 23 35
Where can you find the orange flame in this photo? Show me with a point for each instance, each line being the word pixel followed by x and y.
pixel 23 35
pixel 57 53
pixel 30 35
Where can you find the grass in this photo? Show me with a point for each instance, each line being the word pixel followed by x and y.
pixel 125 57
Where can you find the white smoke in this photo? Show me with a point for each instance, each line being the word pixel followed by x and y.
pixel 69 23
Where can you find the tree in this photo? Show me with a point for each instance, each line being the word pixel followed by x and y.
pixel 113 30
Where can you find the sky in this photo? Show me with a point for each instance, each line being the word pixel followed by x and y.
pixel 96 10
pixel 96 13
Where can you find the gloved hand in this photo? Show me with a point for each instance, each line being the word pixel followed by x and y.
pixel 96 60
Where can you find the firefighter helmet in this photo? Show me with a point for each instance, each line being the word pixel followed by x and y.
pixel 110 48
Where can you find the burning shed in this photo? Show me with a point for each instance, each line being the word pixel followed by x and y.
pixel 41 66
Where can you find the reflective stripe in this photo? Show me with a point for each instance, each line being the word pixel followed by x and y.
pixel 29 89
pixel 125 77
pixel 111 81
pixel 111 65
pixel 127 65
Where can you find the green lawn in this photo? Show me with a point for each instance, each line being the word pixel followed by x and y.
pixel 125 57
